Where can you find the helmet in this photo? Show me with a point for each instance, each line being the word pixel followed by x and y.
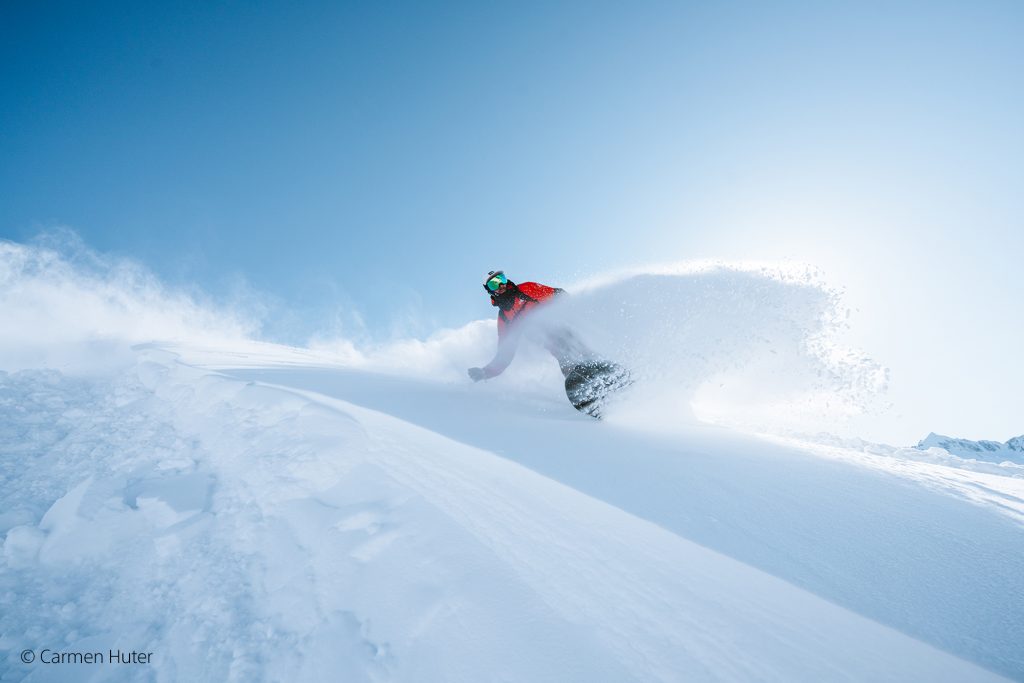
pixel 494 279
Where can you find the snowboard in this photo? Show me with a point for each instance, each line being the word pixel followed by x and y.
pixel 588 385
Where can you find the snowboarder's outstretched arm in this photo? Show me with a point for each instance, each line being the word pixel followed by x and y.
pixel 508 343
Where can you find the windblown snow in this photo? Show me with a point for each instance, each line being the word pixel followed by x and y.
pixel 246 511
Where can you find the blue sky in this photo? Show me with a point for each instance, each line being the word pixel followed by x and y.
pixel 367 162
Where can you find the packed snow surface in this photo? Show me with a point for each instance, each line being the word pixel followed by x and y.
pixel 246 511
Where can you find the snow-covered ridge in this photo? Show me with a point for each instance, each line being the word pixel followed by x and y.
pixel 968 459
pixel 993 451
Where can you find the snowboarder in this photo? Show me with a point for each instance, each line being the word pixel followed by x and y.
pixel 588 378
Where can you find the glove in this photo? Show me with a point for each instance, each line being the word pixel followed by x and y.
pixel 477 374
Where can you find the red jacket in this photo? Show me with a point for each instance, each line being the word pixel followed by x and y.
pixel 530 294
pixel 535 293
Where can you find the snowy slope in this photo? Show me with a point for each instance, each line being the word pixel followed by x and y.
pixel 243 530
pixel 833 520
pixel 247 511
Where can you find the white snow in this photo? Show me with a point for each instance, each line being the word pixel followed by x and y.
pixel 1012 451
pixel 246 511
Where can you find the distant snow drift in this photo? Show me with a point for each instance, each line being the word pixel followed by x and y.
pixel 740 344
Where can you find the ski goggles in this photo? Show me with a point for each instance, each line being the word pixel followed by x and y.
pixel 495 281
